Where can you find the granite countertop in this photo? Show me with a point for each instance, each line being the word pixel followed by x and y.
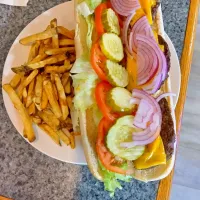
pixel 27 174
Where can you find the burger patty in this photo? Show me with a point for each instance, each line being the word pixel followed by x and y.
pixel 167 128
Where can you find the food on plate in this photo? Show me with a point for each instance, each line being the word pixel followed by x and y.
pixel 41 88
pixel 122 90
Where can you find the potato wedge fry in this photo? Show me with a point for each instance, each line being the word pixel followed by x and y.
pixel 36 119
pixel 62 97
pixel 55 41
pixel 38 89
pixel 51 97
pixel 65 32
pixel 63 137
pixel 56 69
pixel 15 81
pixel 68 87
pixel 71 137
pixel 47 129
pixel 65 78
pixel 44 101
pixel 56 51
pixel 66 42
pixel 69 101
pixel 50 119
pixel 28 129
pixel 32 109
pixel 30 93
pixel 34 51
pixel 38 36
pixel 48 61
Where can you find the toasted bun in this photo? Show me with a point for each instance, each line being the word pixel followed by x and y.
pixel 89 129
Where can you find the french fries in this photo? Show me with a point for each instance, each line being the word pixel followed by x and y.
pixel 49 118
pixel 56 51
pixel 66 42
pixel 28 129
pixel 62 97
pixel 41 88
pixel 15 81
pixel 38 36
pixel 52 99
pixel 47 129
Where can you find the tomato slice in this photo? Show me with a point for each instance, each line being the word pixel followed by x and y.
pixel 98 22
pixel 98 61
pixel 101 91
pixel 104 155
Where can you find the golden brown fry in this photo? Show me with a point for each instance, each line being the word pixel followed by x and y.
pixel 76 133
pixel 34 51
pixel 63 137
pixel 21 70
pixel 36 119
pixel 51 60
pixel 66 124
pixel 30 93
pixel 65 78
pixel 68 87
pixel 66 42
pixel 44 101
pixel 55 92
pixel 49 118
pixel 38 36
pixel 38 89
pixel 32 109
pixel 47 129
pixel 28 129
pixel 56 69
pixel 24 95
pixel 56 51
pixel 62 97
pixel 69 101
pixel 47 41
pixel 55 41
pixel 52 99
pixel 65 32
pixel 27 81
pixel 15 81
pixel 72 58
pixel 71 137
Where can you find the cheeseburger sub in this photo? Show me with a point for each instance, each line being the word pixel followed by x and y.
pixel 122 90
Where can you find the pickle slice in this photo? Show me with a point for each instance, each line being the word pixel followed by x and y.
pixel 117 75
pixel 110 21
pixel 111 46
pixel 122 132
pixel 119 99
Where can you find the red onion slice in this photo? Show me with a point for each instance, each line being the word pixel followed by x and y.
pixel 125 8
pixel 165 95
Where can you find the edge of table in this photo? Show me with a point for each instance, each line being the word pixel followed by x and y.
pixel 165 185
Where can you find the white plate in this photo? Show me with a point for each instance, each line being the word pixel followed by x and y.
pixel 18 54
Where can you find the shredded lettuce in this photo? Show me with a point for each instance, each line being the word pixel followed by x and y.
pixel 87 7
pixel 81 64
pixel 90 23
pixel 93 3
pixel 84 84
pixel 110 179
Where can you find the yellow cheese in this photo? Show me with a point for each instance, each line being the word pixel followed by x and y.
pixel 146 6
pixel 154 155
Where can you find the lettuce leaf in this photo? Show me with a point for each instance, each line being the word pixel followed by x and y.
pixel 84 84
pixel 110 179
pixel 90 23
pixel 93 3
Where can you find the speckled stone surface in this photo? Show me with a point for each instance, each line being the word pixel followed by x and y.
pixel 27 174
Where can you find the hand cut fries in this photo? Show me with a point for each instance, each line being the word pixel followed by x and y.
pixel 28 129
pixel 41 89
